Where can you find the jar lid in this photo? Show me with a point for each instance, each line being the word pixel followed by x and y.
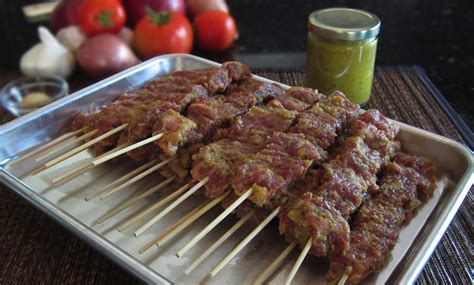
pixel 344 24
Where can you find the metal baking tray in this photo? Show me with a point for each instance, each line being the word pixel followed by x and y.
pixel 66 205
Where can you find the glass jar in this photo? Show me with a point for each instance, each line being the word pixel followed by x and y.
pixel 342 44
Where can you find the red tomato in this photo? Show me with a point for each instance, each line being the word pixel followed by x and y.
pixel 161 33
pixel 216 30
pixel 101 16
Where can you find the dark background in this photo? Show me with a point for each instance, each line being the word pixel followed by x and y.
pixel 435 34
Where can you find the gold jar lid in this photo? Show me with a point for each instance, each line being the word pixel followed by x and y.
pixel 344 24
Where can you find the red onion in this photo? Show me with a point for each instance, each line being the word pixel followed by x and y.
pixel 105 54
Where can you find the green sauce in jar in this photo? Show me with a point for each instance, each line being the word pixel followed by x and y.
pixel 342 45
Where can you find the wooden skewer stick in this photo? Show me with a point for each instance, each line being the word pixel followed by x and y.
pixel 65 145
pixel 171 206
pixel 121 179
pixel 191 219
pixel 218 243
pixel 127 149
pixel 57 181
pixel 171 228
pixel 275 264
pixel 81 147
pixel 243 243
pixel 298 262
pixel 214 223
pixel 47 146
pixel 153 207
pixel 184 222
pixel 130 202
pixel 60 180
pixel 136 178
pixel 343 279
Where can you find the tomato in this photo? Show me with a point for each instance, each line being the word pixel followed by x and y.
pixel 101 16
pixel 161 33
pixel 216 30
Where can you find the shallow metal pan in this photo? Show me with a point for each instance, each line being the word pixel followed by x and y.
pixel 417 241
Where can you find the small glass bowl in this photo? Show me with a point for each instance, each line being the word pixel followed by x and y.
pixel 15 92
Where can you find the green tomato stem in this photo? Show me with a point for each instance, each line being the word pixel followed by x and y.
pixel 105 19
pixel 159 18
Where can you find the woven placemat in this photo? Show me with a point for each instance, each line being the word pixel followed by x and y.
pixel 35 249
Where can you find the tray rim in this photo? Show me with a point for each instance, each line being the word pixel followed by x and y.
pixel 416 260
pixel 411 268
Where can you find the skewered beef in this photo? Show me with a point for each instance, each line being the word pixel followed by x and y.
pixel 404 186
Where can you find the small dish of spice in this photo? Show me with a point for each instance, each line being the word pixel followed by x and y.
pixel 30 93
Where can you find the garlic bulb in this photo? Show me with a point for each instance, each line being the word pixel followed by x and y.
pixel 48 57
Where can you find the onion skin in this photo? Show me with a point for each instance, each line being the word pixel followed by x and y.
pixel 196 7
pixel 104 55
pixel 136 8
pixel 64 15
pixel 71 37
pixel 126 34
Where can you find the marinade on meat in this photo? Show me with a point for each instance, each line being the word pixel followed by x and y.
pixel 211 113
pixel 253 128
pixel 298 98
pixel 141 108
pixel 258 123
pixel 284 153
pixel 285 158
pixel 404 186
pixel 216 160
pixel 245 138
pixel 322 123
pixel 302 217
pixel 181 165
pixel 343 186
pixel 260 90
pixel 236 71
pixel 214 80
pixel 202 119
